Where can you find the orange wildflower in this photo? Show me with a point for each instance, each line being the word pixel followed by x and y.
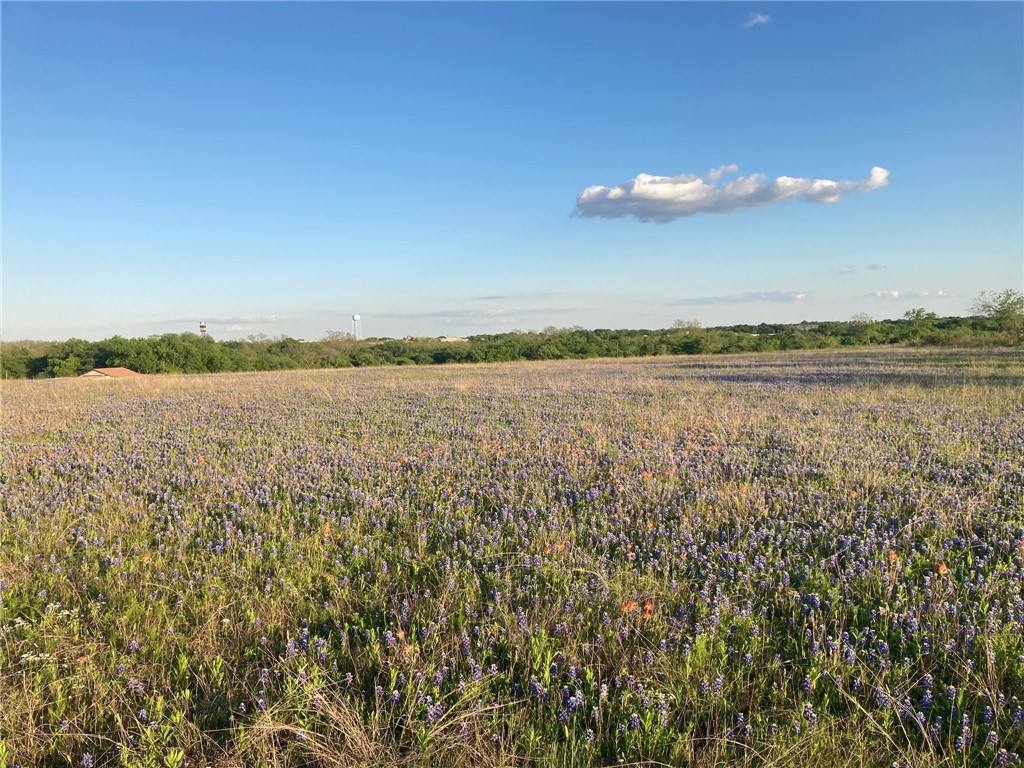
pixel 942 568
pixel 893 557
pixel 630 606
pixel 648 609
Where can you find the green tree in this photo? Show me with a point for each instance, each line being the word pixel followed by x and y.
pixel 919 321
pixel 862 329
pixel 66 367
pixel 14 362
pixel 71 358
pixel 1005 309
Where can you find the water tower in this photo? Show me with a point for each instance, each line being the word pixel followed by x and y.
pixel 202 329
pixel 357 327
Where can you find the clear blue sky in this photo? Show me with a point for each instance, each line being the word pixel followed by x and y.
pixel 274 167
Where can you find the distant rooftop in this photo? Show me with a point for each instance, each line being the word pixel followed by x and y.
pixel 111 373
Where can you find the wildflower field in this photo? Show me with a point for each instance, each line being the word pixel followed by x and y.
pixel 799 559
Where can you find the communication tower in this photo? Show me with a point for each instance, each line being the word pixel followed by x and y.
pixel 357 327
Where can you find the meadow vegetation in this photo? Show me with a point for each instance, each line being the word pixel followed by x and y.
pixel 786 560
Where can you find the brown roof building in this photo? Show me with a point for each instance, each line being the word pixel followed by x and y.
pixel 111 373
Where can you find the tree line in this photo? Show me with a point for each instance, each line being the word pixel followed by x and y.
pixel 999 322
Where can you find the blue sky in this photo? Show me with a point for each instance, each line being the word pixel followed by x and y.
pixel 476 167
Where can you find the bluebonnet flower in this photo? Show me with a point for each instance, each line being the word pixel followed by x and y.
pixel 810 715
pixel 434 713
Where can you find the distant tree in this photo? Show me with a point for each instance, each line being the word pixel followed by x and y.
pixel 390 351
pixel 553 350
pixel 919 321
pixel 919 315
pixel 687 326
pixel 1004 308
pixel 70 358
pixel 136 354
pixel 862 329
pixel 72 365
pixel 338 336
pixel 14 362
pixel 694 345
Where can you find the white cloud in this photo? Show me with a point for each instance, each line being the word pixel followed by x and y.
pixel 716 173
pixel 226 321
pixel 877 266
pixel 234 321
pixel 773 297
pixel 756 18
pixel 473 317
pixel 848 269
pixel 666 198
pixel 515 295
pixel 912 295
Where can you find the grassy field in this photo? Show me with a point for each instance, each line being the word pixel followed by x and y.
pixel 787 560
